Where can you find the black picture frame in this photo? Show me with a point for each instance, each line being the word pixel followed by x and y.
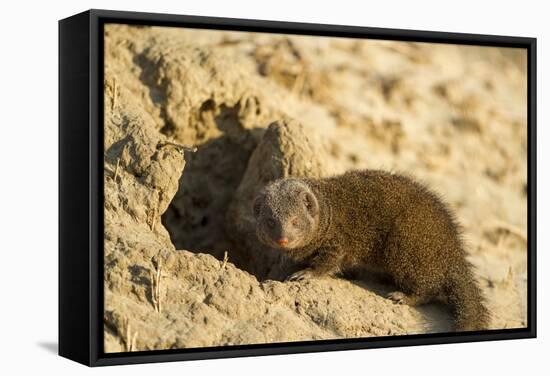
pixel 81 186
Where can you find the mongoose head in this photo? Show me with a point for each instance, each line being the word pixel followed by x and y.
pixel 287 214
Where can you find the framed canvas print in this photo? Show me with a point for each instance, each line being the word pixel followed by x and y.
pixel 236 187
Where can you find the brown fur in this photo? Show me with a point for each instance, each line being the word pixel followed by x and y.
pixel 380 221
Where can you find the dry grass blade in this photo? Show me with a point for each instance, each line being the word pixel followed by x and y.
pixel 156 278
pixel 129 338
pixel 115 94
pixel 225 259
pixel 154 219
pixel 133 346
pixel 191 149
pixel 116 169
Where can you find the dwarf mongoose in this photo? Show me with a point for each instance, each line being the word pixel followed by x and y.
pixel 377 220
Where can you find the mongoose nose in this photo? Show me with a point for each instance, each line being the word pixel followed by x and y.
pixel 282 241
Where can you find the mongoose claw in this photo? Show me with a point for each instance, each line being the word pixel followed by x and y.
pixel 397 297
pixel 300 275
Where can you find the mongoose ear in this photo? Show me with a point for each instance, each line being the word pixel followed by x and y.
pixel 310 202
pixel 257 205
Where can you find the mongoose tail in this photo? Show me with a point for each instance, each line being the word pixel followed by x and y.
pixel 467 301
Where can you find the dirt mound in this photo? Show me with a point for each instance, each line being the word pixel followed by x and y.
pixel 181 266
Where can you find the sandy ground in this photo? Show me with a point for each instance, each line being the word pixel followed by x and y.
pixel 453 116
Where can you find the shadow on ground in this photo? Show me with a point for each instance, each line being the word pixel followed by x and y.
pixel 51 347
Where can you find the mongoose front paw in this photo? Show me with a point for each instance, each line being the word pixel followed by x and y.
pixel 300 275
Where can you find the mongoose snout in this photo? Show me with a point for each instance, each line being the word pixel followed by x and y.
pixel 382 221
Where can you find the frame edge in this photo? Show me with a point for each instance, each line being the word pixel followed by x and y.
pixel 93 354
pixel 74 250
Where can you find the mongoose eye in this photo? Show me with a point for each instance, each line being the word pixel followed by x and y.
pixel 270 223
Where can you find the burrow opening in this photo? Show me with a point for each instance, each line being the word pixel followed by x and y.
pixel 195 219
